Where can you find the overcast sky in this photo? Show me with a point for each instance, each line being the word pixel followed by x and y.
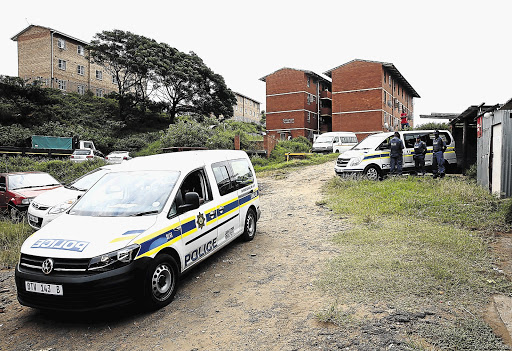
pixel 454 53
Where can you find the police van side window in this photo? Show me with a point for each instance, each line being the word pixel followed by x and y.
pixel 385 144
pixel 220 171
pixel 410 140
pixel 242 174
pixel 198 183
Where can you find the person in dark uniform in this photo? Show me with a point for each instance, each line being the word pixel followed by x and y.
pixel 395 154
pixel 420 149
pixel 438 150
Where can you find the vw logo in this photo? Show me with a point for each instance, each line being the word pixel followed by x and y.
pixel 47 266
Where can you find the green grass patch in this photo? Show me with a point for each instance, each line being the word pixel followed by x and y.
pixel 12 237
pixel 416 244
pixel 264 166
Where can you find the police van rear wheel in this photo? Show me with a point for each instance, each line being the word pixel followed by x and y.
pixel 161 281
pixel 372 173
pixel 249 226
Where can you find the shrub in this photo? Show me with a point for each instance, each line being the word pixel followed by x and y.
pixel 293 145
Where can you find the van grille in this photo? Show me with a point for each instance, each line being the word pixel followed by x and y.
pixel 64 266
pixel 342 162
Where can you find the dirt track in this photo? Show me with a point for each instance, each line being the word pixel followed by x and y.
pixel 249 296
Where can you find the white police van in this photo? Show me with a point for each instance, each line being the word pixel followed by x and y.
pixel 371 156
pixel 133 233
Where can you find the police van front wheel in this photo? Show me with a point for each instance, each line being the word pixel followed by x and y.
pixel 249 226
pixel 161 281
pixel 372 173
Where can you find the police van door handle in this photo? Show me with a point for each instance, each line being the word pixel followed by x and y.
pixel 221 209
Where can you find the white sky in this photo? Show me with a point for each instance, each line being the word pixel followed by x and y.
pixel 454 53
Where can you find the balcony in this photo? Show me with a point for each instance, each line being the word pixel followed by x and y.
pixel 326 95
pixel 325 111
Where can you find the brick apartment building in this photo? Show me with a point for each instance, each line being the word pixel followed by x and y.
pixel 60 61
pixel 246 109
pixel 298 103
pixel 361 96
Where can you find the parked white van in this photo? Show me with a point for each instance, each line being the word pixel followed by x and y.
pixel 371 156
pixel 334 142
pixel 137 229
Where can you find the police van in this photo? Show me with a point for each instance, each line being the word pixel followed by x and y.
pixel 134 232
pixel 371 156
pixel 334 142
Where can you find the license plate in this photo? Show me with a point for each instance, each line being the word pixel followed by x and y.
pixel 32 218
pixel 43 288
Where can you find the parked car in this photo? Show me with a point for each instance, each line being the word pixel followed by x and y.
pixel 17 190
pixel 117 157
pixel 82 155
pixel 337 142
pixel 51 204
pixel 130 237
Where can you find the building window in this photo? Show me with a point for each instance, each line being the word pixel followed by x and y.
pixel 99 92
pixel 62 64
pixel 389 81
pixel 99 75
pixel 80 70
pixel 80 50
pixel 309 116
pixel 61 84
pixel 80 89
pixel 61 44
pixel 114 80
pixel 384 77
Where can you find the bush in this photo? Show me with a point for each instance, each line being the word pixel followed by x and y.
pixel 300 144
pixel 64 171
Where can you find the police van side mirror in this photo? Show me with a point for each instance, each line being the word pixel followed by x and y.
pixel 191 202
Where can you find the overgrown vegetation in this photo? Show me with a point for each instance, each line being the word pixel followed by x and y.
pixel 415 245
pixel 63 171
pixel 12 236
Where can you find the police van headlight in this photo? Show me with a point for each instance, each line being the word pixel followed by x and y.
pixel 355 161
pixel 114 259
pixel 61 207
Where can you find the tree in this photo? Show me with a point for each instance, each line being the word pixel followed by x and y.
pixel 186 85
pixel 127 58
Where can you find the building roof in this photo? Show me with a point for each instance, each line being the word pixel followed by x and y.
pixel 438 115
pixel 319 76
pixel 390 67
pixel 15 38
pixel 472 112
pixel 507 105
pixel 246 97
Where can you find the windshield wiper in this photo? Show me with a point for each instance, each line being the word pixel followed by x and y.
pixel 72 187
pixel 143 213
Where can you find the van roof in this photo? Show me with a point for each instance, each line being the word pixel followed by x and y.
pixel 180 161
pixel 338 133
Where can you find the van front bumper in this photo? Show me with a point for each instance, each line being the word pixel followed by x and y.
pixel 345 171
pixel 84 291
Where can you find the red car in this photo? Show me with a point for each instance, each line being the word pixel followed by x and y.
pixel 17 189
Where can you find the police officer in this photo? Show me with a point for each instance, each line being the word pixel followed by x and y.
pixel 438 156
pixel 395 155
pixel 420 149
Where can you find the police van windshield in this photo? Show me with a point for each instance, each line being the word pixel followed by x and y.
pixel 324 139
pixel 127 194
pixel 369 143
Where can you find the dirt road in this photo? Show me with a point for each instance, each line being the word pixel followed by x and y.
pixel 249 296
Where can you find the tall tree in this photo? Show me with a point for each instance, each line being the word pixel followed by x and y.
pixel 126 57
pixel 186 85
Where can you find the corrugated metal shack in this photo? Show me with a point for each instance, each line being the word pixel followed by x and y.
pixel 494 149
pixel 464 131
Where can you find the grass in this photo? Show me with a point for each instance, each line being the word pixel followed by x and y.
pixel 12 236
pixel 265 167
pixel 415 244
